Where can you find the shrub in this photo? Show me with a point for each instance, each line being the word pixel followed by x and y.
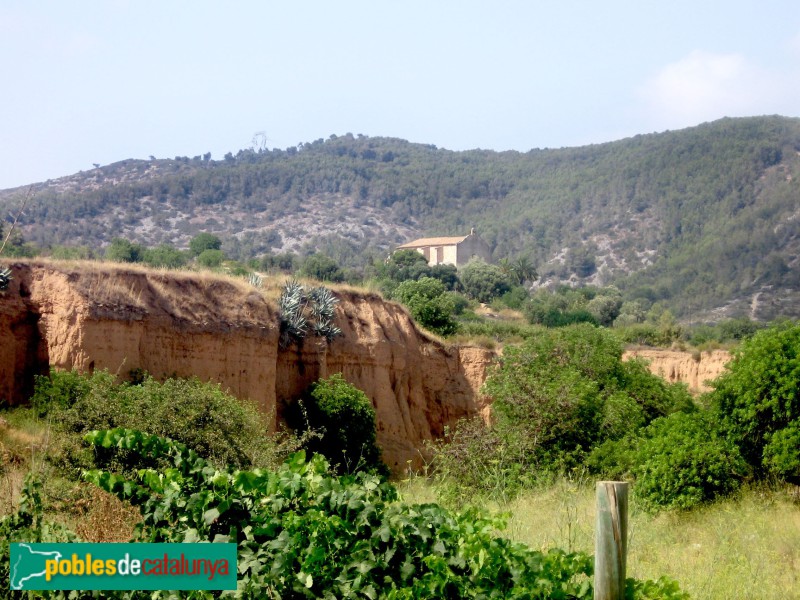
pixel 204 241
pixel 556 397
pixel 344 418
pixel 429 304
pixel 322 268
pixel 759 397
pixel 515 298
pixel 404 265
pixel 122 250
pixel 215 424
pixel 302 533
pixel 211 259
pixel 682 461
pixel 164 255
pixel 782 453
pixel 483 282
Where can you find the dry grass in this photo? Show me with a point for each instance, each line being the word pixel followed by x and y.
pixel 743 548
pixel 106 519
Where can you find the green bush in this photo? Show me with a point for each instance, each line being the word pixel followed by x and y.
pixel 556 397
pixel 321 268
pixel 344 420
pixel 429 303
pixel 782 453
pixel 164 255
pixel 122 250
pixel 204 241
pixel 211 259
pixel 483 282
pixel 759 397
pixel 216 425
pixel 683 461
pixel 515 298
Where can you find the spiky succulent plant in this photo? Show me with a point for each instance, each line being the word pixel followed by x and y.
pixel 301 311
pixel 255 280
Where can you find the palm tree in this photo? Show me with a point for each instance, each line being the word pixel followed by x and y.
pixel 523 270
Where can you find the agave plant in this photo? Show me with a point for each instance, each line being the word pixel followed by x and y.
pixel 291 305
pixel 5 278
pixel 301 311
pixel 255 280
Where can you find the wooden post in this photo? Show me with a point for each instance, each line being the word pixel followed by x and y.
pixel 611 540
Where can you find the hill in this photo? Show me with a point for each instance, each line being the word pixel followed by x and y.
pixel 706 219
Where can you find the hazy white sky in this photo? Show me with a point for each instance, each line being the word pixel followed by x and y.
pixel 88 82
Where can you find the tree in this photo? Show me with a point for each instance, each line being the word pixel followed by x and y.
pixel 345 419
pixel 429 304
pixel 758 401
pixel 403 265
pixel 122 250
pixel 211 258
pixel 71 253
pixel 278 262
pixel 523 270
pixel 605 308
pixel 447 274
pixel 321 267
pixel 555 398
pixel 204 241
pixel 483 281
pixel 164 255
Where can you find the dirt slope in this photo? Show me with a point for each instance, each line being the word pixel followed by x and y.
pixel 109 317
pixel 684 367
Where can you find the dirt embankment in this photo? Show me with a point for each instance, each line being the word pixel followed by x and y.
pixel 105 317
pixel 693 369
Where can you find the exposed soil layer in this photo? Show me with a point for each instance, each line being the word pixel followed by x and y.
pixel 98 316
pixel 695 369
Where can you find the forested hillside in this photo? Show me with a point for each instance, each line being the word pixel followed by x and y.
pixel 705 219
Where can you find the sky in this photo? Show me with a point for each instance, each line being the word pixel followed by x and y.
pixel 87 82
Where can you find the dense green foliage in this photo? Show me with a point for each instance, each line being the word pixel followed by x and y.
pixel 210 258
pixel 484 282
pixel 215 424
pixel 749 430
pixel 758 401
pixel 204 241
pixel 556 397
pixel 410 265
pixel 303 533
pixel 122 250
pixel 164 255
pixel 429 304
pixel 678 461
pixel 344 421
pixel 322 268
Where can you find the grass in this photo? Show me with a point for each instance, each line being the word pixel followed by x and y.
pixel 747 547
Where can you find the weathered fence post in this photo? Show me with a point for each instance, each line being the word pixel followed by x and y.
pixel 611 540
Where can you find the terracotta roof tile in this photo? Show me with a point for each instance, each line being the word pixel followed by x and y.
pixel 434 241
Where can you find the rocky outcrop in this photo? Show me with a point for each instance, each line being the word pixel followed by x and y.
pixel 121 319
pixel 695 369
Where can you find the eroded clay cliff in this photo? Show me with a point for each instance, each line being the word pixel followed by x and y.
pixel 695 369
pixel 109 317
